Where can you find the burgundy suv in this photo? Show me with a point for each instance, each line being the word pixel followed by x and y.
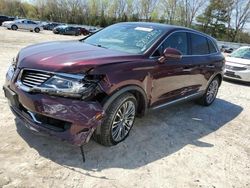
pixel 98 85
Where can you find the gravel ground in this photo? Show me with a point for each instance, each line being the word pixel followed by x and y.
pixel 182 146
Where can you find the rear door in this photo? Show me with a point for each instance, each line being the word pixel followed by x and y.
pixel 30 25
pixel 21 24
pixel 202 51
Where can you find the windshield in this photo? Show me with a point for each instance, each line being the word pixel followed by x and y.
pixel 243 53
pixel 125 38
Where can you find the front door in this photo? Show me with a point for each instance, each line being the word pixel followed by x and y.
pixel 174 79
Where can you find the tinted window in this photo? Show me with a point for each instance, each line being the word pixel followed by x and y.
pixel 199 45
pixel 212 48
pixel 178 41
pixel 30 22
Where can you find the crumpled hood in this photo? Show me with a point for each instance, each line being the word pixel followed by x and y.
pixel 237 60
pixel 69 56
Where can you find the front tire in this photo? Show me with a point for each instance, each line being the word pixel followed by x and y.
pixel 118 121
pixel 211 93
pixel 14 27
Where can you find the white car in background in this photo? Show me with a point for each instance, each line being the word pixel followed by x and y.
pixel 238 65
pixel 23 24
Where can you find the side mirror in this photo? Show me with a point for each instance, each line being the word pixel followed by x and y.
pixel 170 54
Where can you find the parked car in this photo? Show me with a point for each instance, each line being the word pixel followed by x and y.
pixel 23 24
pixel 238 64
pixel 72 89
pixel 226 49
pixel 67 30
pixel 5 18
pixel 84 31
pixel 50 26
pixel 94 30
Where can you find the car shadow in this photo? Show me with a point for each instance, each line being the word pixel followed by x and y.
pixel 155 136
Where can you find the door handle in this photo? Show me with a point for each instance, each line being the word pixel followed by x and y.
pixel 187 68
pixel 210 66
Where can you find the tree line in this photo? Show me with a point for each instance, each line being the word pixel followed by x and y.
pixel 223 19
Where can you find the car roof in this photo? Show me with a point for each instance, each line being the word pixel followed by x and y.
pixel 166 27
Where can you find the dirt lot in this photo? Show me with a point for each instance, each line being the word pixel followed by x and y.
pixel 182 146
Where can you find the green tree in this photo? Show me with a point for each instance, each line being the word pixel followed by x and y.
pixel 215 17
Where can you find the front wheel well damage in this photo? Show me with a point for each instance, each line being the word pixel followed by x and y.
pixel 141 108
pixel 105 100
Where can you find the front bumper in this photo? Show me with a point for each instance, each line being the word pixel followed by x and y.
pixel 6 25
pixel 237 75
pixel 67 119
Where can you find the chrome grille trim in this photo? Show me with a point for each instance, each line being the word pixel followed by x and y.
pixel 33 78
pixel 30 85
pixel 39 74
pixel 32 82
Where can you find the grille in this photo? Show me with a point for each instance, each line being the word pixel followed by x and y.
pixel 231 74
pixel 229 67
pixel 33 78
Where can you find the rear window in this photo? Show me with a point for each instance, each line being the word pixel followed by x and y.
pixel 199 45
pixel 212 48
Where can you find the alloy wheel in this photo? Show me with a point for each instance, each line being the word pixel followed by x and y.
pixel 212 91
pixel 123 121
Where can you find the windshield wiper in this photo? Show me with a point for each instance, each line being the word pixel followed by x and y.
pixel 99 45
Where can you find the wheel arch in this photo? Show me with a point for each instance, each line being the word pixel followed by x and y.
pixel 137 91
pixel 218 75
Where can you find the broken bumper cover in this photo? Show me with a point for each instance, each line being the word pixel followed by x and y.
pixel 67 119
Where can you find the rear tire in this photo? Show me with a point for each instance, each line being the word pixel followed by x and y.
pixel 211 92
pixel 14 27
pixel 118 121
pixel 37 30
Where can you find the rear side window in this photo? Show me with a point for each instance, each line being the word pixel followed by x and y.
pixel 199 45
pixel 212 48
pixel 178 41
pixel 30 22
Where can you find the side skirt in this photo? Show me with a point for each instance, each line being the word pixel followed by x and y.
pixel 180 100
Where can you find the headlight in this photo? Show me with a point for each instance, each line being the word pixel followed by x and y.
pixel 67 85
pixel 10 72
pixel 15 60
pixel 11 69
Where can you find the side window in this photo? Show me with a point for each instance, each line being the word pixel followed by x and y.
pixel 199 45
pixel 178 41
pixel 30 22
pixel 212 48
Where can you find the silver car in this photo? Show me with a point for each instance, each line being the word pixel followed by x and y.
pixel 238 65
pixel 23 24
